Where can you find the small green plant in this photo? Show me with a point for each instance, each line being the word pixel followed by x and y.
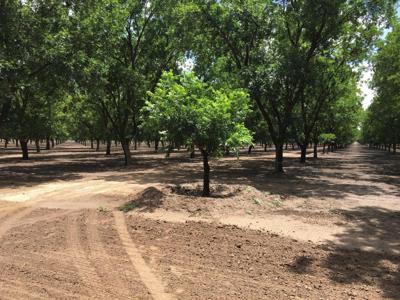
pixel 276 202
pixel 102 209
pixel 258 201
pixel 127 207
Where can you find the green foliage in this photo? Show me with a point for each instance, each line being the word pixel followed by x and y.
pixel 382 120
pixel 189 110
pixel 129 206
pixel 33 67
pixel 327 138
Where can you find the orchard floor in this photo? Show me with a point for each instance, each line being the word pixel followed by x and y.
pixel 324 230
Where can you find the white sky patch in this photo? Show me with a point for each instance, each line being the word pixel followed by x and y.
pixel 366 92
pixel 187 64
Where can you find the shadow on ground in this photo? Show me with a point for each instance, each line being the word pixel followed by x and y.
pixel 367 253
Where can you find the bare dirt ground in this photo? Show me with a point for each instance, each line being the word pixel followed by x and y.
pixel 324 230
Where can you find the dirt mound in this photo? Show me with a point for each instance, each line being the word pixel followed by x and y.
pixel 225 199
pixel 147 200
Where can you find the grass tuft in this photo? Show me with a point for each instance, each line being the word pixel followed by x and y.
pixel 127 207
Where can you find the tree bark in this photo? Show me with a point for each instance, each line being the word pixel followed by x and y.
pixel 24 148
pixel 127 151
pixel 279 158
pixel 97 144
pixel 52 142
pixel 37 145
pixel 108 150
pixel 91 144
pixel 16 143
pixel 315 150
pixel 206 174
pixel 303 156
pixel 156 145
pixel 250 148
pixel 47 143
pixel 6 143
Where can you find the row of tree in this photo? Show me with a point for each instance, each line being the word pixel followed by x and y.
pixel 381 127
pixel 283 71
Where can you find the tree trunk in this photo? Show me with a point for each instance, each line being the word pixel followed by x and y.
pixel 127 151
pixel 16 143
pixel 156 145
pixel 91 144
pixel 315 150
pixel 24 148
pixel 37 145
pixel 303 156
pixel 279 158
pixel 206 174
pixel 52 142
pixel 394 148
pixel 108 150
pixel 265 147
pixel 169 150
pixel 6 143
pixel 47 143
pixel 97 144
pixel 250 148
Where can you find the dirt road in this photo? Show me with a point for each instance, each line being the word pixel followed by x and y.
pixel 323 231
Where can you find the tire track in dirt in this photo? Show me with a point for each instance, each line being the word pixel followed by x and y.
pixel 11 220
pixel 103 262
pixel 153 284
pixel 87 272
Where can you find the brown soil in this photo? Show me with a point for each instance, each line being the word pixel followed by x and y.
pixel 326 230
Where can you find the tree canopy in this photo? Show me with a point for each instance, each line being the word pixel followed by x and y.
pixel 210 75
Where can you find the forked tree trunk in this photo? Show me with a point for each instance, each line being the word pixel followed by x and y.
pixel 206 174
pixel 24 148
pixel 127 151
